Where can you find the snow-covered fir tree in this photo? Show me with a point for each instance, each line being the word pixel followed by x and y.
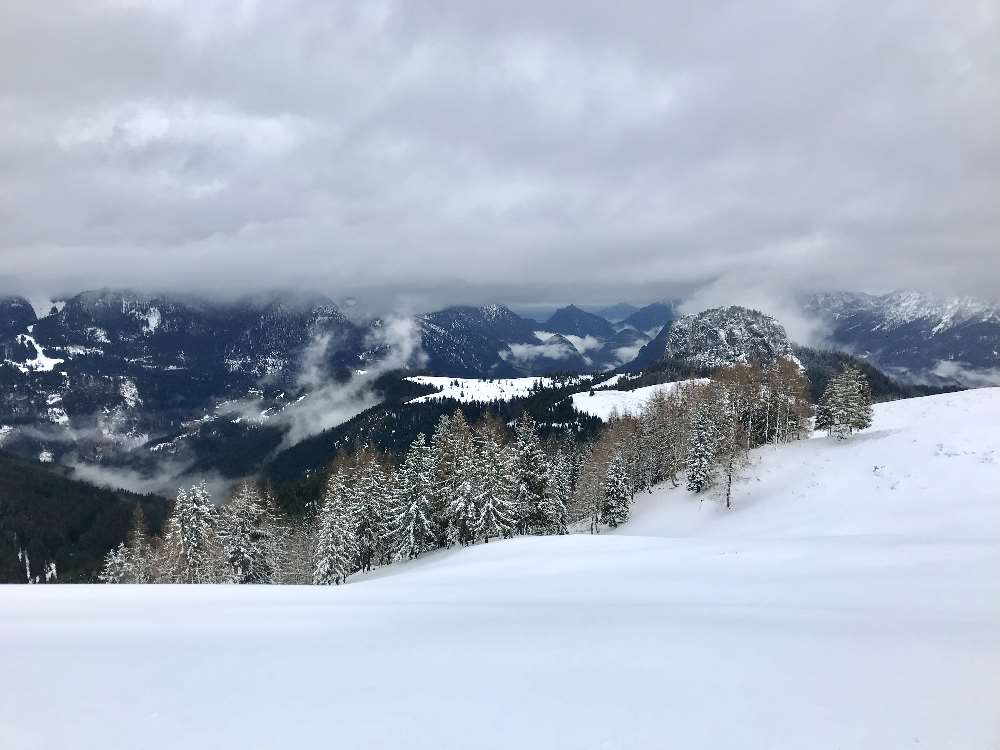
pixel 336 549
pixel 617 493
pixel 131 561
pixel 531 473
pixel 860 412
pixel 494 473
pixel 451 447
pixel 558 494
pixel 140 549
pixel 117 567
pixel 368 494
pixel 191 544
pixel 251 536
pixel 413 528
pixel 701 447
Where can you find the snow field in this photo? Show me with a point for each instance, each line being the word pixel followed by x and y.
pixel 472 389
pixel 603 403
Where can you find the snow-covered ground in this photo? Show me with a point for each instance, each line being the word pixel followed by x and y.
pixel 851 599
pixel 473 389
pixel 603 403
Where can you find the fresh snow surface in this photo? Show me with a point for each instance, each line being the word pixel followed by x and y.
pixel 849 600
pixel 473 389
pixel 604 403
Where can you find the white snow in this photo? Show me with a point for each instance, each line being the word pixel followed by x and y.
pixel 5 432
pixel 40 362
pixel 98 335
pixel 130 393
pixel 150 319
pixel 849 600
pixel 604 403
pixel 45 457
pixel 473 389
pixel 57 415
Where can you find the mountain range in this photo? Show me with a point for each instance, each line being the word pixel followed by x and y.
pixel 915 336
pixel 106 372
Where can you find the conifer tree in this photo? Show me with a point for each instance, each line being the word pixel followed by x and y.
pixel 859 412
pixel 558 494
pixel 531 473
pixel 368 495
pixel 140 549
pixel 450 449
pixel 845 405
pixel 190 543
pixel 617 493
pixel 413 529
pixel 495 500
pixel 250 534
pixel 117 567
pixel 701 448
pixel 336 550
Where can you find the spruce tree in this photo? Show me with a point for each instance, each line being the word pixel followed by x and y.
pixel 117 567
pixel 558 495
pixel 250 535
pixel 367 494
pixel 497 489
pixel 140 550
pixel 450 449
pixel 617 493
pixel 859 411
pixel 845 405
pixel 701 447
pixel 190 542
pixel 531 472
pixel 413 529
pixel 335 553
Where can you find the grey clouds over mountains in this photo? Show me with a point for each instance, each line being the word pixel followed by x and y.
pixel 415 154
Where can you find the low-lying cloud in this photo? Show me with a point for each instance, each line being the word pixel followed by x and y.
pixel 327 401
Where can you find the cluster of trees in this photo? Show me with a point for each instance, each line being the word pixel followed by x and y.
pixel 467 484
pixel 464 485
pixel 705 429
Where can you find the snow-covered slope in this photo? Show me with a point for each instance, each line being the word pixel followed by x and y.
pixel 849 600
pixel 475 389
pixel 603 403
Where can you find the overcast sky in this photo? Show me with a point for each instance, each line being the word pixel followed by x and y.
pixel 426 153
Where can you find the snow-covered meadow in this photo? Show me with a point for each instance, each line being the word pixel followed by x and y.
pixel 605 403
pixel 468 390
pixel 851 599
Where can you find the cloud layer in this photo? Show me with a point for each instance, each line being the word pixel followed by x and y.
pixel 418 153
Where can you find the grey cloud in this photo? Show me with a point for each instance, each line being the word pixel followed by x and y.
pixel 425 153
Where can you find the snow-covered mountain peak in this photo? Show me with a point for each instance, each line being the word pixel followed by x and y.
pixel 725 336
pixel 902 307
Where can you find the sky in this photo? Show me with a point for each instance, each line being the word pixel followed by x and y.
pixel 415 154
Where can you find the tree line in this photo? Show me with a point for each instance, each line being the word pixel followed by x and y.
pixel 473 483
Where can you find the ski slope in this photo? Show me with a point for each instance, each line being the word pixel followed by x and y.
pixel 851 599
pixel 604 403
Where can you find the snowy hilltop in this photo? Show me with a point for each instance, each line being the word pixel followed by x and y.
pixel 725 336
pixel 848 600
